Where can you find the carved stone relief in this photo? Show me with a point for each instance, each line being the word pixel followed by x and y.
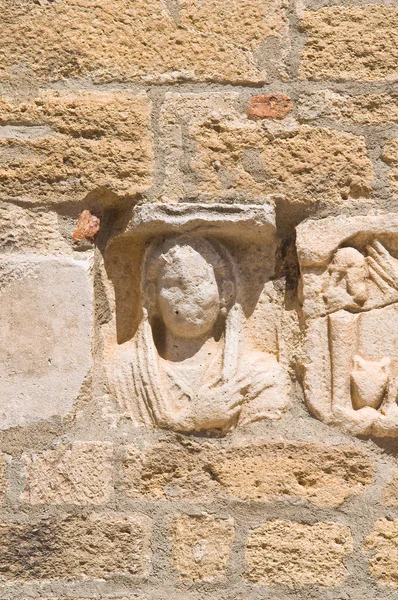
pixel 188 282
pixel 349 269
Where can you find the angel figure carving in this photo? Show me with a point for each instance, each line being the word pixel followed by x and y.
pixel 188 367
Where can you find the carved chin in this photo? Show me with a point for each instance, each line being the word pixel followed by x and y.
pixel 189 328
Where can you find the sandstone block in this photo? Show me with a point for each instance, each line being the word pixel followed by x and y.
pixel 390 156
pixel 361 109
pixel 80 474
pixel 62 146
pixel 97 546
pixel 201 545
pixel 351 43
pixel 30 230
pixel 389 494
pixel 45 332
pixel 235 157
pixel 383 542
pixel 114 41
pixel 283 552
pixel 325 476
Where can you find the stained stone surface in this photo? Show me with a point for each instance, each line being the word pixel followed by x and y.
pixel 46 332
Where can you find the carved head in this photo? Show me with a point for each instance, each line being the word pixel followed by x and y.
pixel 188 282
pixel 348 279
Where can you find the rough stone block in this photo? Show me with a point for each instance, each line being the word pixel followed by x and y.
pixel 118 41
pixel 97 546
pixel 62 146
pixel 201 545
pixel 361 109
pixel 79 474
pixel 390 156
pixel 30 230
pixel 296 554
pixel 45 332
pixel 324 475
pixel 383 542
pixel 389 494
pixel 235 157
pixel 351 43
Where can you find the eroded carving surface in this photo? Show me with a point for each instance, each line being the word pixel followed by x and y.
pixel 350 300
pixel 190 364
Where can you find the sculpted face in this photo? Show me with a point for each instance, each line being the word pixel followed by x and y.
pixel 187 291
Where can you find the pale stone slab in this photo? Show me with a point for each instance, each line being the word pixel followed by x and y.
pixel 201 545
pixel 45 336
pixel 349 270
pixel 77 474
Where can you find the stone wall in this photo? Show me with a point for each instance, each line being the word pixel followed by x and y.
pixel 270 128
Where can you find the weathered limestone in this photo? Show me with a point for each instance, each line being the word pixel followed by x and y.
pixel 351 43
pixel 115 41
pixel 389 494
pixel 262 471
pixel 282 552
pixel 30 230
pixel 390 156
pixel 61 146
pixel 236 157
pixel 350 294
pixel 361 109
pixel 383 542
pixel 188 364
pixel 201 545
pixel 76 474
pixel 95 547
pixel 45 333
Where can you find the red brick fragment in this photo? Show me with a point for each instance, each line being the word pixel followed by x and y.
pixel 87 227
pixel 269 106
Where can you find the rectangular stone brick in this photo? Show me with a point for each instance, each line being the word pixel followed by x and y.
pixel 324 475
pixel 383 542
pixel 30 230
pixel 61 146
pixel 351 43
pixel 118 41
pixel 237 158
pixel 361 109
pixel 201 545
pixel 79 474
pixel 296 554
pixel 97 546
pixel 45 336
